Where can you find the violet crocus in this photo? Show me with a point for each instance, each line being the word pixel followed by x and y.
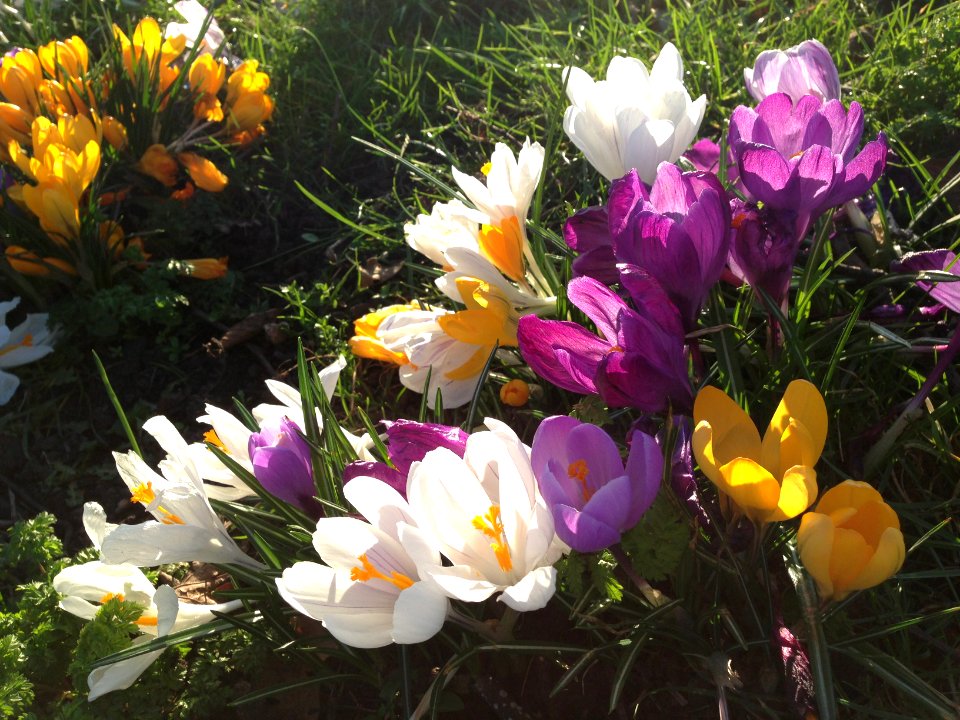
pixel 282 464
pixel 639 361
pixel 804 69
pixel 587 232
pixel 408 442
pixel 593 497
pixel 803 156
pixel 762 249
pixel 945 293
pixel 677 232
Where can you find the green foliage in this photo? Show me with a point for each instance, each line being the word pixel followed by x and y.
pixel 111 630
pixel 16 692
pixel 657 544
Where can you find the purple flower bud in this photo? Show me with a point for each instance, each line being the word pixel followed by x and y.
pixel 763 248
pixel 804 69
pixel 593 497
pixel 282 464
pixel 409 441
pixel 945 293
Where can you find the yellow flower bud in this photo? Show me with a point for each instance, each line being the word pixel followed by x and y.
pixel 115 132
pixel 204 268
pixel 204 173
pixel 851 541
pixel 515 393
pixel 160 165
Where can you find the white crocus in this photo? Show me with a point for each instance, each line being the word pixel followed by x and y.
pixel 453 366
pixel 510 183
pixel 369 593
pixel 487 516
pixel 634 119
pixel 195 15
pixel 85 587
pixel 185 527
pixel 449 225
pixel 28 341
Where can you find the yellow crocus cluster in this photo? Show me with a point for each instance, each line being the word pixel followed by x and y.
pixel 770 479
pixel 148 55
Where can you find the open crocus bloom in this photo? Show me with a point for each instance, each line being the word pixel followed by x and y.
pixel 185 527
pixel 28 341
pixel 804 69
pixel 767 480
pixel 803 157
pixel 582 478
pixel 371 592
pixel 87 586
pixel 487 517
pixel 852 541
pixel 634 119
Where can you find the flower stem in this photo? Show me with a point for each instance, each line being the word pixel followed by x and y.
pixel 653 596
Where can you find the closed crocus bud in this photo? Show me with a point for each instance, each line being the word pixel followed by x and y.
pixel 852 541
pixel 408 441
pixel 515 393
pixel 204 268
pixel 804 69
pixel 281 463
pixel 114 132
pixel 160 165
pixel 203 172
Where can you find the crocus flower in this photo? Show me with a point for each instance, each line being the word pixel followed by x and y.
pixel 852 541
pixel 28 341
pixel 487 517
pixel 763 248
pixel 803 157
pixel 640 360
pixel 945 293
pixel 371 592
pixel 185 527
pixel 587 232
pixel 282 463
pixel 678 232
pixel 85 587
pixel 804 69
pixel 582 478
pixel 196 15
pixel 768 480
pixel 407 442
pixel 634 119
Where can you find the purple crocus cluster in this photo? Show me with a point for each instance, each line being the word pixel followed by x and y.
pixel 648 259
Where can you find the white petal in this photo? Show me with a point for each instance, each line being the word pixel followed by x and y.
pixel 120 675
pixel 8 386
pixel 95 523
pixel 330 375
pixel 463 583
pixel 419 613
pixel 533 591
pixel 379 503
pixel 152 543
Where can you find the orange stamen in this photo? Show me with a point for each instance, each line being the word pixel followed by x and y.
pixel 492 526
pixel 578 470
pixel 145 495
pixel 368 572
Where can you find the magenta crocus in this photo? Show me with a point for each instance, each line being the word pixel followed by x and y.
pixel 407 442
pixel 677 232
pixel 804 69
pixel 587 232
pixel 593 497
pixel 802 156
pixel 762 249
pixel 282 464
pixel 638 361
pixel 945 293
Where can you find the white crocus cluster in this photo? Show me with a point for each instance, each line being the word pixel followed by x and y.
pixel 635 118
pixel 471 527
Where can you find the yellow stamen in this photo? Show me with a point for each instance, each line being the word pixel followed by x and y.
pixel 26 342
pixel 368 572
pixel 110 596
pixel 486 168
pixel 211 437
pixel 578 470
pixel 145 495
pixel 492 526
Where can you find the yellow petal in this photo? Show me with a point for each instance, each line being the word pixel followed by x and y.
pixel 815 547
pixel 796 448
pixel 702 442
pixel 798 490
pixel 734 434
pixel 886 561
pixel 849 493
pixel 751 487
pixel 871 520
pixel 471 367
pixel 373 349
pixel 503 246
pixel 848 560
pixel 802 402
pixel 205 174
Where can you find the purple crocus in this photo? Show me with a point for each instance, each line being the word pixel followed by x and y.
pixel 640 360
pixel 945 293
pixel 803 157
pixel 678 232
pixel 762 249
pixel 592 496
pixel 704 155
pixel 407 442
pixel 588 233
pixel 282 464
pixel 804 69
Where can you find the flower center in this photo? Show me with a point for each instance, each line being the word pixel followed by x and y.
pixel 211 437
pixel 367 572
pixel 578 470
pixel 145 495
pixel 119 598
pixel 492 526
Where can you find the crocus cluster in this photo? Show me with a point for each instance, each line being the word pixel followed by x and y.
pixel 490 269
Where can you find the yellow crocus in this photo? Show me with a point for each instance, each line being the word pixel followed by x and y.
pixel 14 124
pixel 515 393
pixel 852 541
pixel 148 48
pixel 54 203
pixel 770 479
pixel 28 263
pixel 115 132
pixel 246 79
pixel 204 173
pixel 20 77
pixel 64 59
pixel 159 164
pixel 249 111
pixel 502 245
pixel 207 75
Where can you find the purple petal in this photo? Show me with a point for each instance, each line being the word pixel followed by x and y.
pixel 816 172
pixel 598 302
pixel 561 352
pixel 611 504
pixel 582 532
pixel 282 474
pixel 946 293
pixel 860 173
pixel 599 453
pixel 588 229
pixel 670 194
pixel 557 487
pixel 705 155
pixel 650 299
pixel 599 264
pixel 645 470
pixel 766 175
pixel 380 471
pixel 625 195
pixel 408 441
pixel 550 441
